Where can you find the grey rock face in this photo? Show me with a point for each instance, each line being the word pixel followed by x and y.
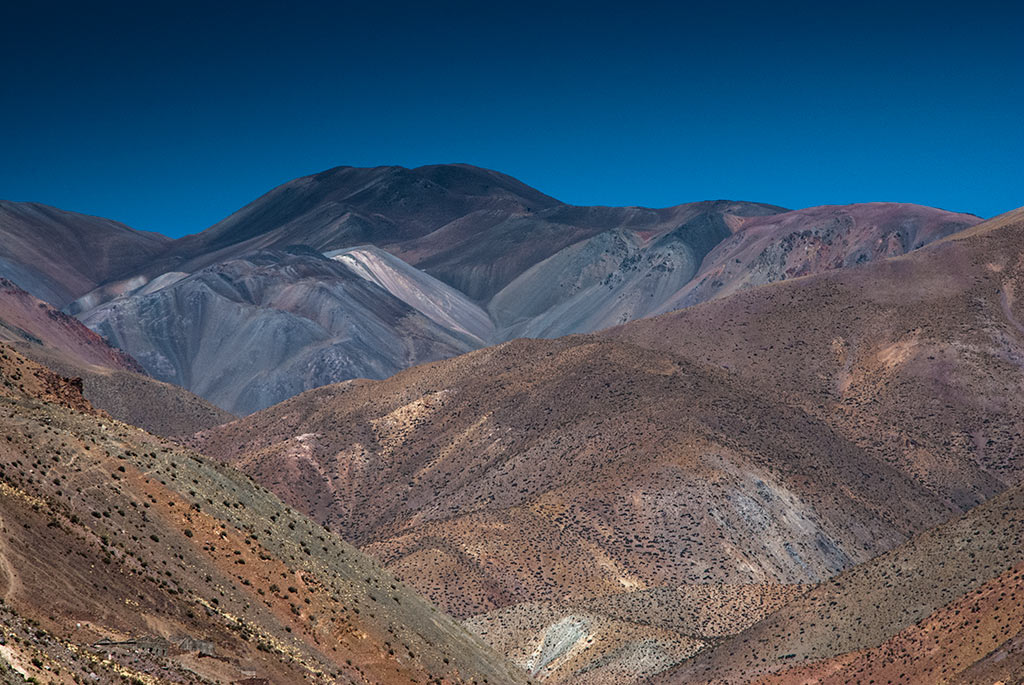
pixel 616 276
pixel 431 262
pixel 251 332
pixel 437 301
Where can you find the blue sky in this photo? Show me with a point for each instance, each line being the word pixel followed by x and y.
pixel 170 116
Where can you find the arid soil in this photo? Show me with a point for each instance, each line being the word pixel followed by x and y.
pixel 777 436
pixel 108 533
pixel 111 380
pixel 945 607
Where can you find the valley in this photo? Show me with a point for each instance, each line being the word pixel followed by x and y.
pixel 596 445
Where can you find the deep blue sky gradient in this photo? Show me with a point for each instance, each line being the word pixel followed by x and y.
pixel 170 116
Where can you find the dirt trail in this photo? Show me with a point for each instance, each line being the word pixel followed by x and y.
pixel 1006 299
pixel 12 586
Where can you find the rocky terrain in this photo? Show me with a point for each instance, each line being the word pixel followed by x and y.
pixel 658 473
pixel 625 637
pixel 251 331
pixel 441 303
pixel 619 276
pixel 833 418
pixel 125 558
pixel 111 380
pixel 810 241
pixel 479 257
pixel 918 356
pixel 806 469
pixel 945 607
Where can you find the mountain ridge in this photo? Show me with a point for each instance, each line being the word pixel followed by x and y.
pixel 829 421
pixel 480 257
pixel 111 380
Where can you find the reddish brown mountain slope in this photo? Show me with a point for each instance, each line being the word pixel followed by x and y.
pixel 777 436
pixel 107 533
pixel 112 380
pixel 920 356
pixel 546 469
pixel 814 240
pixel 25 318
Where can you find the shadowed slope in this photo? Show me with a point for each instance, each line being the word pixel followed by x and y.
pixel 705 251
pixel 381 204
pixel 482 255
pixel 625 271
pixel 472 228
pixel 110 533
pixel 347 206
pixel 59 256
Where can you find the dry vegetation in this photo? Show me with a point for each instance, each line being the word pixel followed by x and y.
pixel 777 436
pixel 109 533
pixel 946 607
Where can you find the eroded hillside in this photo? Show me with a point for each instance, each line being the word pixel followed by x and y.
pixel 111 380
pixel 131 556
pixel 947 606
pixel 431 262
pixel 775 437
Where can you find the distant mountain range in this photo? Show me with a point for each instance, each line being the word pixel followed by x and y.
pixel 738 444
pixel 363 272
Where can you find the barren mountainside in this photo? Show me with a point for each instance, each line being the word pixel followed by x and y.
pixel 479 255
pixel 833 418
pixel 111 380
pixel 59 256
pixel 252 331
pixel 944 607
pixel 809 241
pixel 125 556
pixel 920 355
pixel 716 442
